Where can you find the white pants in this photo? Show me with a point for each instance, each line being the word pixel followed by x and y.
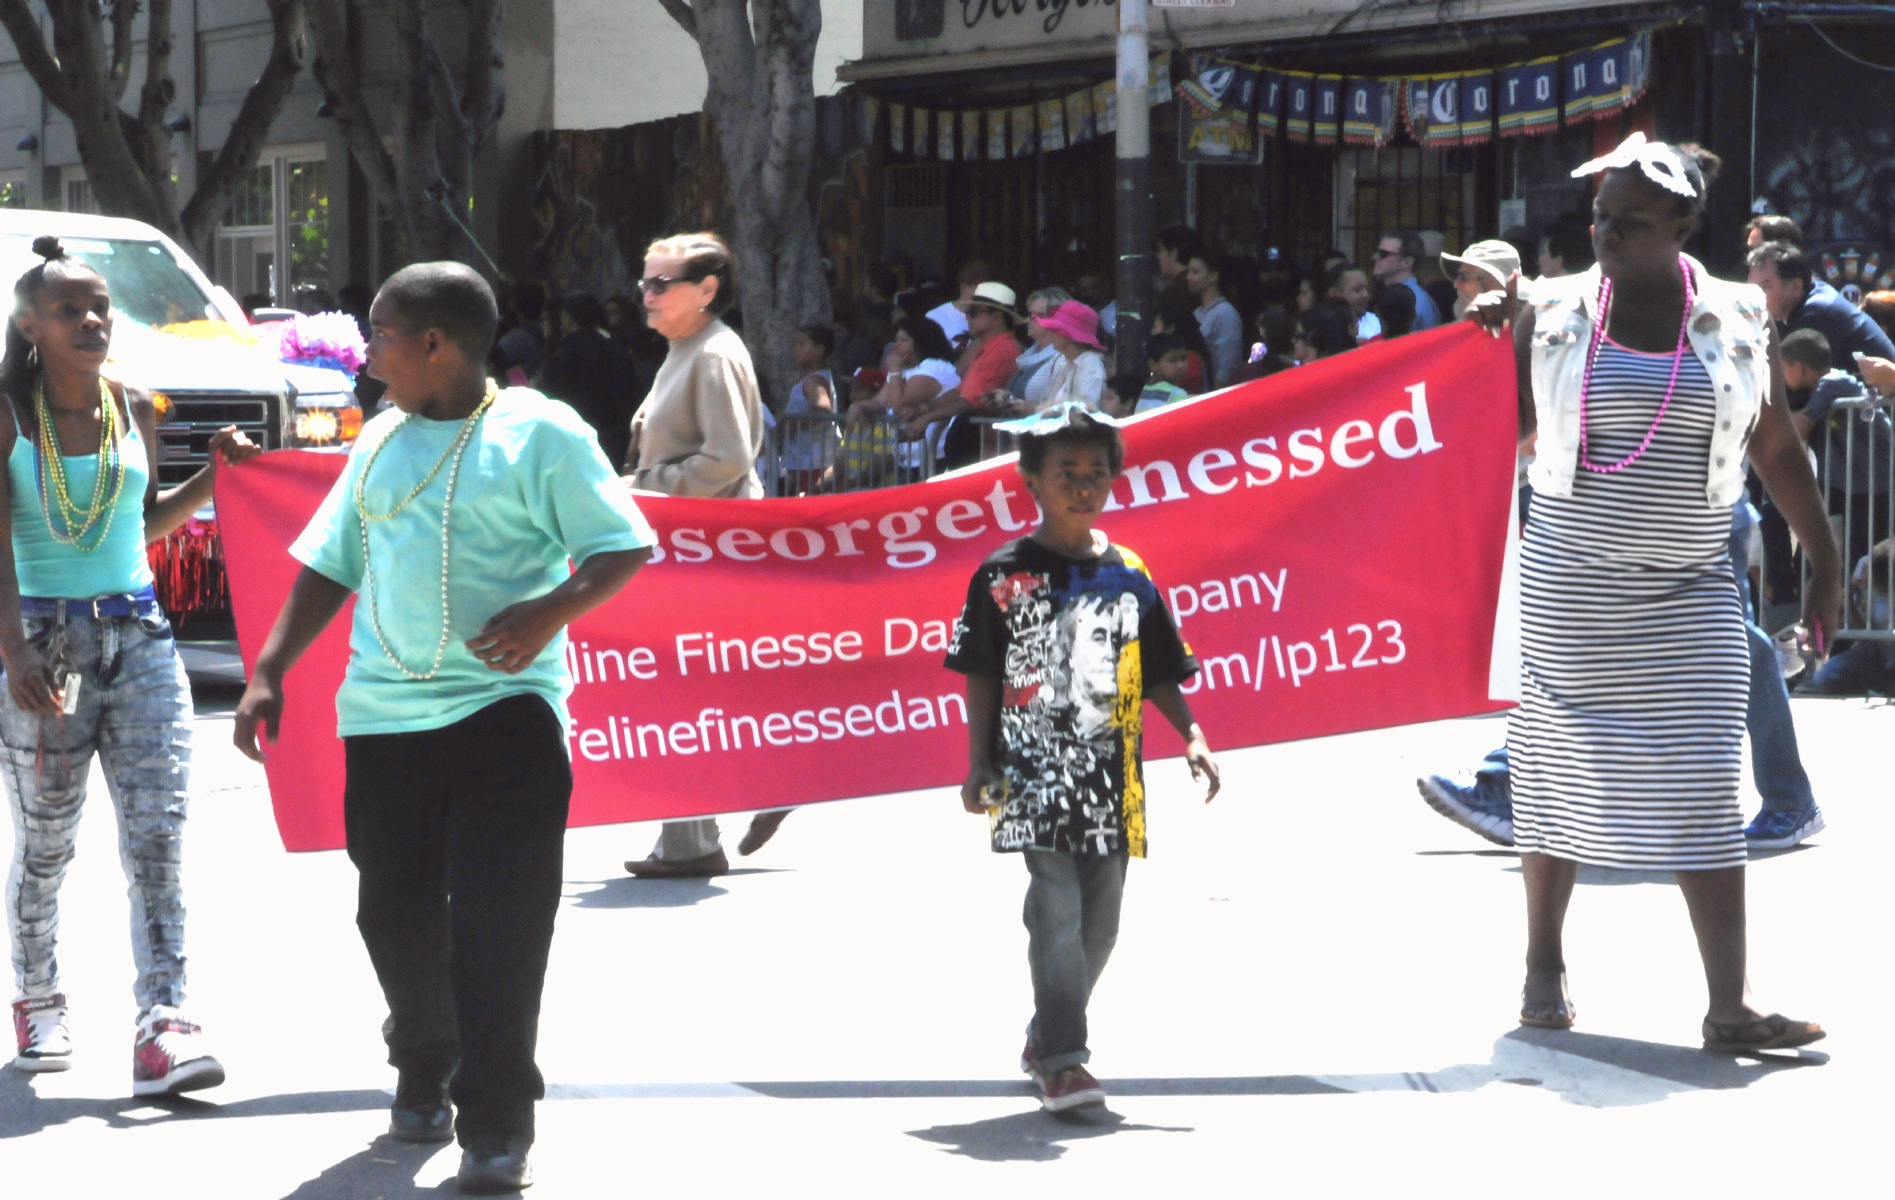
pixel 687 839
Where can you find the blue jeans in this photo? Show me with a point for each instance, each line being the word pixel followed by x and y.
pixel 1072 922
pixel 135 713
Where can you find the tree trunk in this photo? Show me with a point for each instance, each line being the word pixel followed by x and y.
pixel 128 156
pixel 438 126
pixel 759 56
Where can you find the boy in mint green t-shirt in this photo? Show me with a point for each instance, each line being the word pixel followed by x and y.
pixel 453 524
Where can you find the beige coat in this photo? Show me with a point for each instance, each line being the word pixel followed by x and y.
pixel 700 429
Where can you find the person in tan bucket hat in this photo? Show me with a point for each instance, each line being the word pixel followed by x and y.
pixel 1482 267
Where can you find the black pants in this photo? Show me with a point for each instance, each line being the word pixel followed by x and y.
pixel 459 835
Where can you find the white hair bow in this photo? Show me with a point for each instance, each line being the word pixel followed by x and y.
pixel 1658 161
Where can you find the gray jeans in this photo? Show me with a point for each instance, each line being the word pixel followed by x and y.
pixel 1072 923
pixel 135 714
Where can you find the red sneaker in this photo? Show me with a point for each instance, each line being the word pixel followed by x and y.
pixel 168 1057
pixel 1069 1089
pixel 39 1029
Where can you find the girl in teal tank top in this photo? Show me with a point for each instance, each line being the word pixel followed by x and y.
pixel 90 664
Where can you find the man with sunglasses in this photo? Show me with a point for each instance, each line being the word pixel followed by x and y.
pixel 1395 259
pixel 985 366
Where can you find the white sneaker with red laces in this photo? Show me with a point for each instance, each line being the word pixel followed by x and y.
pixel 168 1057
pixel 39 1026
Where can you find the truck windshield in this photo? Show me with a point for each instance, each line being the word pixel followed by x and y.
pixel 146 283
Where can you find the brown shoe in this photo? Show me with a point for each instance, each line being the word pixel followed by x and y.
pixel 763 827
pixel 702 867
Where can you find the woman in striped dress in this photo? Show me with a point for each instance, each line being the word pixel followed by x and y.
pixel 1649 383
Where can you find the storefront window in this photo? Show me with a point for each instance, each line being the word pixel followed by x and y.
pixel 278 219
pixel 1403 188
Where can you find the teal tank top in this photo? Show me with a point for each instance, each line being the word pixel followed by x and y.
pixel 48 569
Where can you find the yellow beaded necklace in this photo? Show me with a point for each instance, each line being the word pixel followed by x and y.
pixel 447 508
pixel 82 529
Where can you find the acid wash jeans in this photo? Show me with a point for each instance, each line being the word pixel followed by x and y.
pixel 135 713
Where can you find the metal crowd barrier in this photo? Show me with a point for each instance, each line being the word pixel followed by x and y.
pixel 1857 474
pixel 816 453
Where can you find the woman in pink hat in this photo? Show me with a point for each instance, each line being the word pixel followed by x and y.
pixel 1079 375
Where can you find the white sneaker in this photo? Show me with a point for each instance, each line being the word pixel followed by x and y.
pixel 39 1026
pixel 168 1057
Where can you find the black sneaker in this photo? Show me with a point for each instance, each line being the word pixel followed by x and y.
pixel 493 1168
pixel 421 1114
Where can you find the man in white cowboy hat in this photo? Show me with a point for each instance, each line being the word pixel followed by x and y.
pixel 1483 267
pixel 985 366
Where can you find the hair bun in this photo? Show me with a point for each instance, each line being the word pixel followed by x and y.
pixel 47 247
pixel 1707 162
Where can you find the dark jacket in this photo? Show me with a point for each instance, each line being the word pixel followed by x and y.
pixel 1847 328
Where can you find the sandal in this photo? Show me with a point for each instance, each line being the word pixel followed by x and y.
pixel 1774 1032
pixel 1550 1014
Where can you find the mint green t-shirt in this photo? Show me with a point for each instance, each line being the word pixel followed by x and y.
pixel 534 491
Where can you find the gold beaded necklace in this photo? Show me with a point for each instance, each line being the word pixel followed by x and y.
pixel 74 525
pixel 454 452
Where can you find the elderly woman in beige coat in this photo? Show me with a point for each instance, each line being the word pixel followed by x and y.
pixel 698 433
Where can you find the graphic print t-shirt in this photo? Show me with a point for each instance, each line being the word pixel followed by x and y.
pixel 1077 645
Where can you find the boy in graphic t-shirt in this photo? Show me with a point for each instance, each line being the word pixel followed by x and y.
pixel 1063 638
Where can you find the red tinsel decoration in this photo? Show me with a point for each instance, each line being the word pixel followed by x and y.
pixel 189 566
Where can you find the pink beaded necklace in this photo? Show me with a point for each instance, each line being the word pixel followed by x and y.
pixel 1604 310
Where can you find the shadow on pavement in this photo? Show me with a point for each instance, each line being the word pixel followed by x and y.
pixel 1035 1136
pixel 656 893
pixel 384 1171
pixel 23 1112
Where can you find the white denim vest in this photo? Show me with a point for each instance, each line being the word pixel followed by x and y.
pixel 1730 333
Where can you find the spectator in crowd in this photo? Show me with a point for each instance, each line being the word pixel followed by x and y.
pixel 1322 332
pixel 355 298
pixel 1305 294
pixel 1395 259
pixel 252 301
pixel 854 349
pixel 1566 246
pixel 920 366
pixel 1174 315
pixel 1079 375
pixel 1167 359
pixel 592 373
pixel 521 348
pixel 1881 309
pixel 1772 228
pixel 1428 270
pixel 1865 666
pixel 1033 370
pixel 311 298
pixel 1851 445
pixel 990 359
pixel 1172 248
pixel 623 319
pixel 1798 300
pixel 698 434
pixel 952 316
pixel 1094 289
pixel 1217 318
pixel 1274 349
pixel 1395 308
pixel 1483 267
pixel 1348 284
pixel 1121 394
pixel 808 445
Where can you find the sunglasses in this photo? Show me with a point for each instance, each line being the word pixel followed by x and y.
pixel 655 285
pixel 1381 253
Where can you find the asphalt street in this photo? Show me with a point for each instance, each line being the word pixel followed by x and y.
pixel 1314 994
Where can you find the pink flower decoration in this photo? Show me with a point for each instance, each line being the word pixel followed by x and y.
pixel 333 336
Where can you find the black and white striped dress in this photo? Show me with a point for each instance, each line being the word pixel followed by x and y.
pixel 1625 750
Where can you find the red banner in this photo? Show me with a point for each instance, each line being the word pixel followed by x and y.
pixel 1332 541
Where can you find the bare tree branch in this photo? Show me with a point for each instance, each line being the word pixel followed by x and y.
pixel 154 97
pixel 334 68
pixel 680 11
pixel 111 144
pixel 124 12
pixel 217 186
pixel 17 17
pixel 452 138
pixel 484 90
